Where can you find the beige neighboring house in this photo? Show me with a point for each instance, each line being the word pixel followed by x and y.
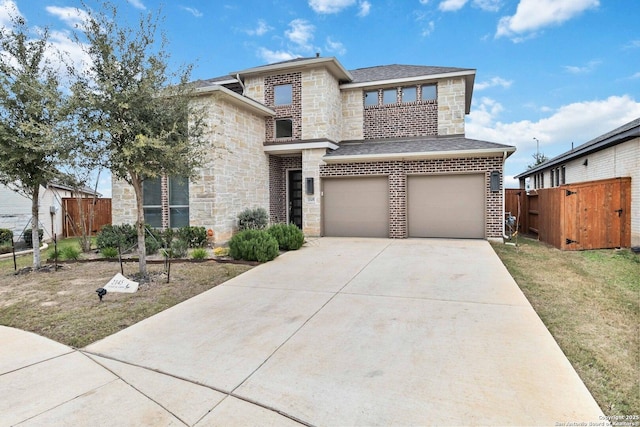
pixel 615 154
pixel 15 209
pixel 371 152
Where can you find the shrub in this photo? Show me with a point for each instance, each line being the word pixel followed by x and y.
pixel 199 253
pixel 28 238
pixel 109 252
pixel 196 237
pixel 289 236
pixel 126 235
pixel 70 253
pixel 177 249
pixel 152 240
pixel 220 251
pixel 253 245
pixel 5 248
pixel 253 219
pixel 6 235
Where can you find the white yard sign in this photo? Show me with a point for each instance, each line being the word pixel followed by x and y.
pixel 119 283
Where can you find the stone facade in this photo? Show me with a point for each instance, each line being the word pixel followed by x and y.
pixel 397 171
pixel 322 105
pixel 311 212
pixel 451 105
pixel 292 111
pixel 352 114
pixel 123 207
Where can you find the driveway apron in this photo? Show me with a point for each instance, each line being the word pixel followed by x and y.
pixel 341 332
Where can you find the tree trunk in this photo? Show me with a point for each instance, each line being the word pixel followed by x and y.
pixel 142 254
pixel 35 237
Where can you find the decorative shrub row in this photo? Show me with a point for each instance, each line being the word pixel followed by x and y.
pixel 195 237
pixel 126 236
pixel 253 245
pixel 289 236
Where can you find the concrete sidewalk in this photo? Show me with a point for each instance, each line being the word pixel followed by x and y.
pixel 341 332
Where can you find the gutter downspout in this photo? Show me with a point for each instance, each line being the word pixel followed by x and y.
pixel 241 83
pixel 504 234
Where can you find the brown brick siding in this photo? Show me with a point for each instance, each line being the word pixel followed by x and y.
pixel 278 167
pixel 397 172
pixel 419 118
pixel 293 111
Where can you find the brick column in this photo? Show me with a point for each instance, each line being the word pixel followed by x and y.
pixel 397 202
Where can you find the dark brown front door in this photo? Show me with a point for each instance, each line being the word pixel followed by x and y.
pixel 295 198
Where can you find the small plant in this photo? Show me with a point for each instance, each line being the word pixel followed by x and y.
pixel 177 249
pixel 199 254
pixel 253 245
pixel 70 253
pixel 28 237
pixel 109 252
pixel 220 251
pixel 289 236
pixel 253 219
pixel 196 237
pixel 5 236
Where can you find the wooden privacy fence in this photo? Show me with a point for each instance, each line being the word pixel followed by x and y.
pixel 588 215
pixel 72 218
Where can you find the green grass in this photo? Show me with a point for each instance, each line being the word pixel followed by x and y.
pixel 590 302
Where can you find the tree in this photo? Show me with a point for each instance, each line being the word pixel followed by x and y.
pixel 538 158
pixel 32 116
pixel 137 107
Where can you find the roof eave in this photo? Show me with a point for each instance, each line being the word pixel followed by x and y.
pixel 236 99
pixel 330 63
pixel 390 82
pixel 424 155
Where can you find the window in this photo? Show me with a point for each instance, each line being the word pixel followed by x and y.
pixel 284 128
pixel 389 96
pixel 553 177
pixel 178 192
pixel 409 94
pixel 428 92
pixel 563 175
pixel 152 201
pixel 370 98
pixel 282 94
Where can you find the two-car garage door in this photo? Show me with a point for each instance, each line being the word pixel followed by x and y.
pixel 437 206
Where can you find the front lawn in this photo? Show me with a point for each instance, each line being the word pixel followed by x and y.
pixel 590 302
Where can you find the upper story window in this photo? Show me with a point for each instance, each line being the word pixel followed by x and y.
pixel 428 92
pixel 389 96
pixel 283 94
pixel 563 175
pixel 409 94
pixel 370 98
pixel 284 128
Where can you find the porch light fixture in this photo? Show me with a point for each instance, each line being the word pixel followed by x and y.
pixel 309 185
pixel 495 181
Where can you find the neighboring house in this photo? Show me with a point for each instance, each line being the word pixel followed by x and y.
pixel 612 155
pixel 15 209
pixel 372 152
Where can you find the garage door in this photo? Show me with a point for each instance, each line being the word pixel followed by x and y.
pixel 446 206
pixel 355 207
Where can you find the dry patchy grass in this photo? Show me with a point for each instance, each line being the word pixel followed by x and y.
pixel 64 306
pixel 590 302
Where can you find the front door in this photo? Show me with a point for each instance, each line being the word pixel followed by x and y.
pixel 295 198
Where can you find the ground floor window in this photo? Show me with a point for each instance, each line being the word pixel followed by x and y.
pixel 166 202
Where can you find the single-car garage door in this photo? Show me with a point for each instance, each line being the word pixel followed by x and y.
pixel 355 207
pixel 446 206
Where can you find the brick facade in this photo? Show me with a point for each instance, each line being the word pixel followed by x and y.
pixel 278 168
pixel 418 118
pixel 397 172
pixel 292 111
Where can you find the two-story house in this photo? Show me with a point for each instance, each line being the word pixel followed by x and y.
pixel 371 152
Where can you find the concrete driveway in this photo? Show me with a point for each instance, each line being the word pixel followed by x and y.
pixel 342 332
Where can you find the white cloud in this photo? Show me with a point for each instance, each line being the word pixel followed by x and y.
pixel 335 46
pixel 8 8
pixel 300 33
pixel 582 70
pixel 633 44
pixel 635 76
pixel 365 8
pixel 261 29
pixel 533 15
pixel 488 5
pixel 424 1
pixel 71 16
pixel 578 122
pixel 330 6
pixel 271 56
pixel 137 4
pixel 192 10
pixel 451 5
pixel 493 82
pixel 428 29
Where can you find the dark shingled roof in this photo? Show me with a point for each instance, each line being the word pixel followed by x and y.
pixel 413 145
pixel 397 71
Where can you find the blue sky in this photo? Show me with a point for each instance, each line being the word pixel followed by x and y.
pixel 559 71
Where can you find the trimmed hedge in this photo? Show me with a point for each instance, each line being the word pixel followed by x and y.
pixel 253 245
pixel 289 236
pixel 6 235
